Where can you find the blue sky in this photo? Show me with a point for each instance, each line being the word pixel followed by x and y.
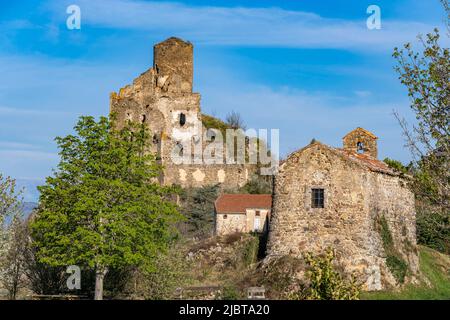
pixel 310 68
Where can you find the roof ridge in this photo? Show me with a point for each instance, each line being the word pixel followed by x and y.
pixel 363 130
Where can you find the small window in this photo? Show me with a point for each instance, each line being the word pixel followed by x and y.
pixel 257 213
pixel 360 147
pixel 182 119
pixel 155 139
pixel 225 216
pixel 317 198
pixel 210 135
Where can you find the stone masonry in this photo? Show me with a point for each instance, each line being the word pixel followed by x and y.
pixel 162 98
pixel 358 191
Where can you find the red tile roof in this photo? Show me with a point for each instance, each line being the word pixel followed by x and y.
pixel 369 162
pixel 364 160
pixel 238 203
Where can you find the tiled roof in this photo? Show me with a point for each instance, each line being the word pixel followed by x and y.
pixel 369 162
pixel 238 203
pixel 364 160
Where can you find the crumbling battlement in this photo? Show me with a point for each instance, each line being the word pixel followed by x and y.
pixel 162 99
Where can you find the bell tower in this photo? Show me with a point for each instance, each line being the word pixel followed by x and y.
pixel 361 141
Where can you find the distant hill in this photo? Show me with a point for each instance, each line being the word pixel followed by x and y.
pixel 28 207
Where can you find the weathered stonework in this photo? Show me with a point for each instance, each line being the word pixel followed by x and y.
pixel 162 98
pixel 361 141
pixel 358 191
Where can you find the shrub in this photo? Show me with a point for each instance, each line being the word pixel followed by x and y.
pixel 279 276
pixel 161 283
pixel 433 229
pixel 230 292
pixel 325 282
pixel 398 267
pixel 249 250
pixel 258 185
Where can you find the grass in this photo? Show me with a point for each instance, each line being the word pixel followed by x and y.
pixel 435 267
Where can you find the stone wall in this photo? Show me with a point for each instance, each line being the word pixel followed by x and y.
pixel 160 98
pixel 173 60
pixel 348 220
pixel 361 136
pixel 230 223
pixel 390 199
pixel 250 221
pixel 240 222
pixel 230 176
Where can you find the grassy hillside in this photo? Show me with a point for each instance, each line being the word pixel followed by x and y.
pixel 232 262
pixel 436 268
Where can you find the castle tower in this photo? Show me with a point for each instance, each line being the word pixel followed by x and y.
pixel 173 62
pixel 361 141
pixel 163 100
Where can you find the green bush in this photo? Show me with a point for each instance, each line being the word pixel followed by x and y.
pixel 162 282
pixel 230 292
pixel 433 229
pixel 258 185
pixel 325 282
pixel 250 250
pixel 398 267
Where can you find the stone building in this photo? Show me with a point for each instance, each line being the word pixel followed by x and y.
pixel 242 213
pixel 347 199
pixel 163 99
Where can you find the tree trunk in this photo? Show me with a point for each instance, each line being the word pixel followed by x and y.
pixel 99 277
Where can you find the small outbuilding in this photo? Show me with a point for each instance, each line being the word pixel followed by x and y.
pixel 242 213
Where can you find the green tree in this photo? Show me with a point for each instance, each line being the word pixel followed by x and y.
pixel 426 77
pixel 258 184
pixel 198 208
pixel 103 208
pixel 397 165
pixel 425 73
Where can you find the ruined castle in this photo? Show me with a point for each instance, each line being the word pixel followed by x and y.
pixel 323 196
pixel 163 99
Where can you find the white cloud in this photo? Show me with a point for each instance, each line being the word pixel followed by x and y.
pixel 302 115
pixel 16 145
pixel 28 154
pixel 247 26
pixel 7 111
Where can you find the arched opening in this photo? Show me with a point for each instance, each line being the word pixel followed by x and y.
pixel 360 147
pixel 210 135
pixel 180 149
pixel 182 119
